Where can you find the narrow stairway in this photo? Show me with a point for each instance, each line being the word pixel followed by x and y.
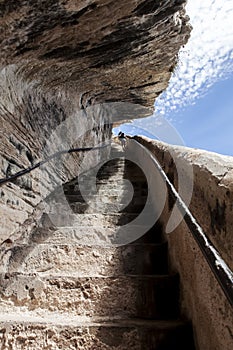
pixel 73 283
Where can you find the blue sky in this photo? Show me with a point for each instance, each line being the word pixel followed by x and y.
pixel 208 124
pixel 197 107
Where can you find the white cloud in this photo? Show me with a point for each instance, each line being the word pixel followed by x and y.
pixel 207 58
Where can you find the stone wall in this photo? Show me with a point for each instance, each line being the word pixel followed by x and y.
pixel 34 126
pixel 210 184
pixel 71 68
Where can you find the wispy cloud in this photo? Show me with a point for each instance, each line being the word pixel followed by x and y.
pixel 207 58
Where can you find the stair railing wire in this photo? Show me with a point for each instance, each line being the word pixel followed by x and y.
pixel 218 266
pixel 53 156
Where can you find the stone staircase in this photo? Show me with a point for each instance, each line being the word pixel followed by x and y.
pixel 72 284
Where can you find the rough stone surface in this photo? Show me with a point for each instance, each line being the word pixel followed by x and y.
pixel 83 333
pixel 69 70
pixel 211 195
pixel 92 296
pixel 149 297
pixel 92 261
pixel 107 50
pixel 202 299
pixel 75 67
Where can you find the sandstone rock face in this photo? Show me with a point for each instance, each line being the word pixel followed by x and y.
pixel 68 70
pixel 106 50
pixel 36 128
pixel 210 186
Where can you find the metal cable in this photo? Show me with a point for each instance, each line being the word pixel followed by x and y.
pixel 54 155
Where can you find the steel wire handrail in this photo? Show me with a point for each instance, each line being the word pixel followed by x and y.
pixel 53 156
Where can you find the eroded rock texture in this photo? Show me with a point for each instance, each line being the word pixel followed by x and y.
pixel 107 50
pixel 63 63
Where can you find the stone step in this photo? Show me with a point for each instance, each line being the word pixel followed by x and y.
pixel 94 219
pixel 119 174
pixel 107 189
pixel 110 191
pixel 114 159
pixel 98 235
pixel 103 208
pixel 25 331
pixel 105 192
pixel 117 180
pixel 64 284
pixel 115 173
pixel 108 198
pixel 78 207
pixel 110 167
pixel 128 296
pixel 89 261
pixel 121 183
pixel 104 176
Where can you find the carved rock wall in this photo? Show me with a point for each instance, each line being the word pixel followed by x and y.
pixel 106 50
pixel 71 68
pixel 210 184
pixel 37 126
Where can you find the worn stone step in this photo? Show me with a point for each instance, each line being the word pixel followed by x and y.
pixel 97 235
pixel 94 219
pixel 105 195
pixel 89 261
pixel 108 198
pixel 149 297
pixel 104 233
pixel 109 167
pixel 109 191
pixel 114 208
pixel 114 159
pixel 117 180
pixel 103 177
pixel 93 208
pixel 120 173
pixel 25 331
pixel 120 197
pixel 109 172
pixel 108 188
pixel 135 206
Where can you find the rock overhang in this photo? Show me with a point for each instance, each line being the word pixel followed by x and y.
pixel 68 70
pixel 106 51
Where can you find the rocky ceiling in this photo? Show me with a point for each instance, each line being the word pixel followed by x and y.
pixel 105 50
pixel 69 69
